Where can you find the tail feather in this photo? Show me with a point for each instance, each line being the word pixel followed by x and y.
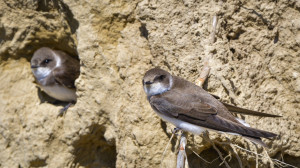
pixel 230 126
pixel 235 109
pixel 257 141
pixel 252 139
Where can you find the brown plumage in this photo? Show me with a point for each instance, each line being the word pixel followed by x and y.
pixel 64 74
pixel 55 72
pixel 235 109
pixel 183 103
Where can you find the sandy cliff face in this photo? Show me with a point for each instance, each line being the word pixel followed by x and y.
pixel 256 65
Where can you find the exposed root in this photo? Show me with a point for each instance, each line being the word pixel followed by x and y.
pixel 229 155
pixel 163 155
pixel 204 159
pixel 213 32
pixel 258 156
pixel 206 136
pixel 206 67
pixel 269 158
pixel 236 155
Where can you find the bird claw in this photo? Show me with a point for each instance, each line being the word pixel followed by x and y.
pixel 175 130
pixel 64 110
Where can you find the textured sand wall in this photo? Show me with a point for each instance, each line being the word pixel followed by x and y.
pixel 256 65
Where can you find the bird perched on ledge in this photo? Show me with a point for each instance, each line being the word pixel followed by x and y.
pixel 192 109
pixel 55 72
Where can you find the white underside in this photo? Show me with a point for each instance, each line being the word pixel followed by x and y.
pixel 195 129
pixel 60 93
pixel 243 122
pixel 185 126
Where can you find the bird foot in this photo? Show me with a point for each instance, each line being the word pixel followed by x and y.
pixel 175 130
pixel 64 110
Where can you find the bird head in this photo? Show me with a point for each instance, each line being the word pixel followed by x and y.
pixel 44 60
pixel 157 81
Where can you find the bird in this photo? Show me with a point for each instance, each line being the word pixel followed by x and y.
pixel 55 73
pixel 192 109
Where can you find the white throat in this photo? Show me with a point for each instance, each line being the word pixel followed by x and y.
pixel 158 88
pixel 41 72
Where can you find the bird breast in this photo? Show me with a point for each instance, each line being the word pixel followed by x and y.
pixel 60 93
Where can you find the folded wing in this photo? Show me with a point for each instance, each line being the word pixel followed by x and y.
pixel 192 109
pixel 235 109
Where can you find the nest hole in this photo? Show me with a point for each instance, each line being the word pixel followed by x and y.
pixel 93 150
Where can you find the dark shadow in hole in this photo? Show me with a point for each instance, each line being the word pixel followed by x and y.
pixel 38 163
pixel 65 43
pixel 93 151
pixel 45 6
pixel 276 37
pixel 144 31
pixel 235 35
pixel 209 155
pixel 295 161
pixel 232 50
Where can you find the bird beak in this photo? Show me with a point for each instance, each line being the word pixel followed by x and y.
pixel 147 87
pixel 34 66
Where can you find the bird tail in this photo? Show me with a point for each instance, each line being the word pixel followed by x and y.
pixel 248 131
pixel 239 110
pixel 257 141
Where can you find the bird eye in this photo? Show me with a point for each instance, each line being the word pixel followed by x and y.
pixel 47 61
pixel 161 77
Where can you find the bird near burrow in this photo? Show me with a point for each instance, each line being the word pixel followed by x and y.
pixel 55 73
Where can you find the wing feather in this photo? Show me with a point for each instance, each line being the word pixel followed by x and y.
pixel 175 104
pixel 191 108
pixel 235 109
pixel 68 73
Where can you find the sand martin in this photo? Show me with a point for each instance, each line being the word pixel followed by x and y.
pixel 192 109
pixel 55 72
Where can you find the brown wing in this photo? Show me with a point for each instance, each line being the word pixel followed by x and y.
pixel 189 105
pixel 235 109
pixel 191 108
pixel 239 110
pixel 68 73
